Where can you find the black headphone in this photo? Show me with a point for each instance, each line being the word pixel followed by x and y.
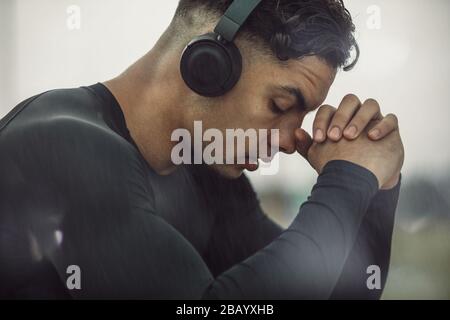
pixel 211 64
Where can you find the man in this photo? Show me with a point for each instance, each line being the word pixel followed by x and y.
pixel 89 184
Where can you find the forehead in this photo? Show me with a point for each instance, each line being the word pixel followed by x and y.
pixel 311 75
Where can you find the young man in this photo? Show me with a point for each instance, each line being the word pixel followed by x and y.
pixel 89 185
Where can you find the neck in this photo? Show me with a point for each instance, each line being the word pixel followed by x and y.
pixel 152 110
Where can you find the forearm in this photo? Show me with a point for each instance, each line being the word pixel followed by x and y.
pixel 372 248
pixel 307 259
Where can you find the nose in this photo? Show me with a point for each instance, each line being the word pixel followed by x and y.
pixel 288 141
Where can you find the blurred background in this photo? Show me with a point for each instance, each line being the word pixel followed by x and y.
pixel 50 44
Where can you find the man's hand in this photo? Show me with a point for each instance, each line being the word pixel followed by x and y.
pixel 383 158
pixel 349 122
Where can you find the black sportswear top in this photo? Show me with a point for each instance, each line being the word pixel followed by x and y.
pixel 74 190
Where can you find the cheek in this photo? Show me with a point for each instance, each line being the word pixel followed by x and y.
pixel 258 113
pixel 241 111
pixel 246 113
pixel 220 114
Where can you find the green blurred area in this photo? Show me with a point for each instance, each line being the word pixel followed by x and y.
pixel 420 263
pixel 420 253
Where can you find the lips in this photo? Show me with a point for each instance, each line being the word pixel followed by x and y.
pixel 250 166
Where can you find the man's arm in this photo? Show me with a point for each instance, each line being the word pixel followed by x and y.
pixel 92 188
pixel 305 261
pixel 252 230
pixel 372 248
pixel 79 193
pixel 240 226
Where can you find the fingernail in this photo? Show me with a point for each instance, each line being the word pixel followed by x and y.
pixel 351 131
pixel 335 133
pixel 319 135
pixel 375 133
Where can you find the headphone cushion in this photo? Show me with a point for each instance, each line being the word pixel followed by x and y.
pixel 209 67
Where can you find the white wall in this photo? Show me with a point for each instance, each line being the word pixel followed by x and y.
pixel 8 29
pixel 404 64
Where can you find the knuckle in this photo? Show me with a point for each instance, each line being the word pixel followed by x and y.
pixel 351 98
pixel 324 114
pixel 371 101
pixel 372 104
pixel 326 109
pixel 393 117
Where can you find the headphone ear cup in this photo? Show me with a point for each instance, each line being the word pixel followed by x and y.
pixel 210 67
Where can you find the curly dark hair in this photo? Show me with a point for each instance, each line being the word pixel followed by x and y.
pixel 296 28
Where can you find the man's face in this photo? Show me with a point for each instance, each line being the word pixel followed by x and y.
pixel 269 96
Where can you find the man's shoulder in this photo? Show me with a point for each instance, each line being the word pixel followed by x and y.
pixel 63 125
pixel 75 114
pixel 74 104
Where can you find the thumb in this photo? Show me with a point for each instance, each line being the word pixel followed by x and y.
pixel 304 142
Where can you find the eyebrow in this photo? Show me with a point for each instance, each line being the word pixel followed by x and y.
pixel 298 95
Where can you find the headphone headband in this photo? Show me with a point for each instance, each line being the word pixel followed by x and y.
pixel 235 17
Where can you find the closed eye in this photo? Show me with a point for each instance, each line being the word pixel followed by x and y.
pixel 275 108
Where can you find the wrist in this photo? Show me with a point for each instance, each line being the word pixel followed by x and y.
pixel 391 183
pixel 351 169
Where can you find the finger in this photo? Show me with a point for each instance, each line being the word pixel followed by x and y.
pixel 369 111
pixel 322 122
pixel 388 125
pixel 347 109
pixel 304 142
